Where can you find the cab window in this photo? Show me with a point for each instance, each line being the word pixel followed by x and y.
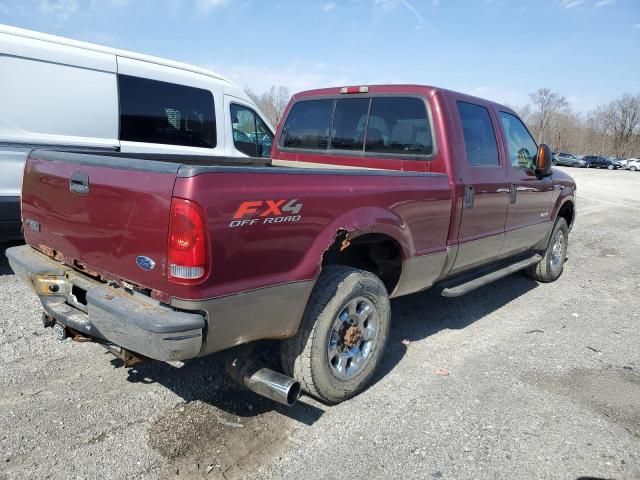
pixel 251 135
pixel 522 147
pixel 399 125
pixel 479 136
pixel 349 122
pixel 387 125
pixel 308 125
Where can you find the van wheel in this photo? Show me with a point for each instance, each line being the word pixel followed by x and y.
pixel 552 264
pixel 342 336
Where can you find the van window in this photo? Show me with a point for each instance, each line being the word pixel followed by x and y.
pixel 308 125
pixel 251 135
pixel 522 147
pixel 160 112
pixel 349 122
pixel 399 125
pixel 479 136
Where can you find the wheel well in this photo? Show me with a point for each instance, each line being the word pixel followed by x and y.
pixel 377 253
pixel 567 212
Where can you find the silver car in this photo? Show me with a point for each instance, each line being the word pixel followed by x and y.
pixel 633 164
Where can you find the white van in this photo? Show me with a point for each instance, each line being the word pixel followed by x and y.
pixel 61 93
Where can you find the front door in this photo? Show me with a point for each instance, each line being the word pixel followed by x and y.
pixel 530 196
pixel 484 176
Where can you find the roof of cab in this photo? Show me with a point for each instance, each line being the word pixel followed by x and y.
pixel 21 32
pixel 426 90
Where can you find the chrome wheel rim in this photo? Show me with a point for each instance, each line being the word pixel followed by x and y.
pixel 557 251
pixel 352 337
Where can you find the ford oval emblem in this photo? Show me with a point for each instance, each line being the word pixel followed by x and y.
pixel 145 263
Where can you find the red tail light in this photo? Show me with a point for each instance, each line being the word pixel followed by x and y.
pixel 188 257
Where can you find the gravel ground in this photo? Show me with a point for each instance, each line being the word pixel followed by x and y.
pixel 516 380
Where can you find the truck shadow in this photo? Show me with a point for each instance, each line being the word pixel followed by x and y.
pixel 414 317
pixel 421 315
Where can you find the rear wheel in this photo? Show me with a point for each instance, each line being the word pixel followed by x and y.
pixel 577 164
pixel 342 336
pixel 552 264
pixel 610 167
pixel 633 169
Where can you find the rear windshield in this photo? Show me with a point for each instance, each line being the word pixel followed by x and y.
pixel 377 125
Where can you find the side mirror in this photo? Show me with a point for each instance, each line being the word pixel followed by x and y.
pixel 543 160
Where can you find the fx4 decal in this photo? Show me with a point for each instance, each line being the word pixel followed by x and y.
pixel 266 211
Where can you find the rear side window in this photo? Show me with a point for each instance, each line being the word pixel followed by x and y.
pixel 399 125
pixel 522 147
pixel 349 123
pixel 308 125
pixel 479 136
pixel 160 112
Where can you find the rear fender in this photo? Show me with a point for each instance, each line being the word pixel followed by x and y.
pixel 357 222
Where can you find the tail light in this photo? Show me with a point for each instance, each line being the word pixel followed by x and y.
pixel 188 257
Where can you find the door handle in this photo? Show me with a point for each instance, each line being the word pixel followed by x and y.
pixel 79 182
pixel 468 196
pixel 513 193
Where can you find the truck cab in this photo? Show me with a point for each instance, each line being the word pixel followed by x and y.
pixel 503 204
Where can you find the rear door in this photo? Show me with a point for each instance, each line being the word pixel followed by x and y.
pixel 484 177
pixel 529 195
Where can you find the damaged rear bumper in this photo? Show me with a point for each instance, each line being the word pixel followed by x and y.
pixel 113 315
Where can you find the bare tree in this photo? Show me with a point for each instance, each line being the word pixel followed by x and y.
pixel 272 102
pixel 547 105
pixel 612 129
pixel 620 120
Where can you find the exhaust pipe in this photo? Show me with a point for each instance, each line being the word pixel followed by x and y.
pixel 264 381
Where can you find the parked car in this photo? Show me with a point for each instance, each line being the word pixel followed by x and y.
pixel 633 164
pixel 601 162
pixel 372 193
pixel 104 99
pixel 570 160
pixel 621 161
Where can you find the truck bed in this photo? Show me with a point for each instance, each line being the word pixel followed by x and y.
pixel 125 215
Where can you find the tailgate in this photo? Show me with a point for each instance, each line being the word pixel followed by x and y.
pixel 101 212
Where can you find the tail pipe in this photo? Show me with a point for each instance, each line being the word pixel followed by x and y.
pixel 264 381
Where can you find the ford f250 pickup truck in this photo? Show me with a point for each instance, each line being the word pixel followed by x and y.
pixel 371 193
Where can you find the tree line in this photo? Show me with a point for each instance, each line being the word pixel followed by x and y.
pixel 612 129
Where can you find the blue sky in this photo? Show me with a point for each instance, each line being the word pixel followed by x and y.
pixel 586 50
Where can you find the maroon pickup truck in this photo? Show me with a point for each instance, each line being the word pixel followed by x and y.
pixel 371 193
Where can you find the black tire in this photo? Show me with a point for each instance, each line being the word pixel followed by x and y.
pixel 633 169
pixel 610 167
pixel 305 357
pixel 576 164
pixel 550 268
